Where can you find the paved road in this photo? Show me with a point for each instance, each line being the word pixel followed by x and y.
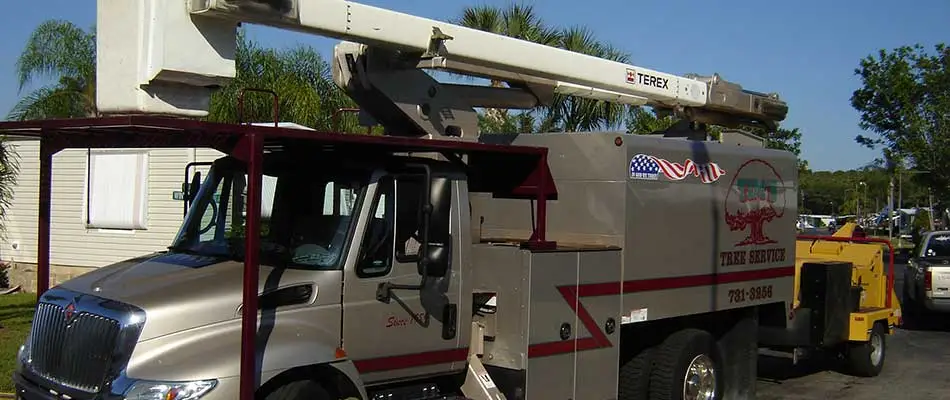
pixel 917 367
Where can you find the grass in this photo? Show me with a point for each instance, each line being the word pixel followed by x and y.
pixel 16 315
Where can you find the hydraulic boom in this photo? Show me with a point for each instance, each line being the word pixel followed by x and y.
pixel 380 61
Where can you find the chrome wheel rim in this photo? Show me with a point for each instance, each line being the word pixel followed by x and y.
pixel 877 349
pixel 700 379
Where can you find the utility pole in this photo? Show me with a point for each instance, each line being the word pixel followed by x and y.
pixel 930 198
pixel 890 210
pixel 900 199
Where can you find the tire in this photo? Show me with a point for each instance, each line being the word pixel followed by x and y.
pixel 668 379
pixel 863 358
pixel 905 296
pixel 635 376
pixel 300 390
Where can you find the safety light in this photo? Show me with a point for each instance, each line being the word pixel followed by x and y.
pixel 928 280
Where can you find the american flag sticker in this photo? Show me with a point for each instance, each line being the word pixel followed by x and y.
pixel 647 167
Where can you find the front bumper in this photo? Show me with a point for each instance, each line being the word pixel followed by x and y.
pixel 27 389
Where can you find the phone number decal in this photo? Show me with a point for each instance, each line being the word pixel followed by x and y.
pixel 754 293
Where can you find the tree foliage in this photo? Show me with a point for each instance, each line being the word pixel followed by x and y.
pixel 301 78
pixel 904 99
pixel 838 192
pixel 63 51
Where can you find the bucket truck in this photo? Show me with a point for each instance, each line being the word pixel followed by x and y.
pixel 431 262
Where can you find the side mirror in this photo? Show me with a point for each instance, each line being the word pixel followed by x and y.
pixel 437 261
pixel 436 251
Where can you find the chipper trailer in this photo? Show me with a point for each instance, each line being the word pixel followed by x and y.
pixel 430 262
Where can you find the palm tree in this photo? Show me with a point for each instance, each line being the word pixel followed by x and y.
pixel 517 21
pixel 299 75
pixel 566 113
pixel 58 49
pixel 642 121
pixel 572 114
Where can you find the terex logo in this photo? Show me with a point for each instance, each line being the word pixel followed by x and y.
pixel 755 198
pixel 635 77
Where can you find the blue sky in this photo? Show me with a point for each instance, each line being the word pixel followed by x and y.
pixel 805 50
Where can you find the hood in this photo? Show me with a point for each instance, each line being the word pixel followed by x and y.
pixel 178 291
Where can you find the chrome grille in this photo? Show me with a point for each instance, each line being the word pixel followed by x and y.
pixel 75 352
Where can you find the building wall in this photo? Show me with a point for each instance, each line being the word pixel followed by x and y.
pixel 74 246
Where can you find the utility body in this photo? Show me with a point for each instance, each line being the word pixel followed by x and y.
pixel 431 262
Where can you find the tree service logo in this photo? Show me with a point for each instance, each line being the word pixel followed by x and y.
pixel 755 198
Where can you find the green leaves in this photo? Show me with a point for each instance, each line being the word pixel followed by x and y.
pixel 299 75
pixel 62 51
pixel 905 99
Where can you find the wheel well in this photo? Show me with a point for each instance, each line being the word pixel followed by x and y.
pixel 330 378
pixel 636 337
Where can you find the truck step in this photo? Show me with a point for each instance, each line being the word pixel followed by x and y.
pixel 421 391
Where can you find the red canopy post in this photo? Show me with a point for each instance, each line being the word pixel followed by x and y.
pixel 254 143
pixel 43 228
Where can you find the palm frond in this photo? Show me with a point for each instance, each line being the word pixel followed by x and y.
pixel 52 102
pixel 57 48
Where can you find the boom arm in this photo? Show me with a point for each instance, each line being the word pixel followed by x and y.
pixel 403 42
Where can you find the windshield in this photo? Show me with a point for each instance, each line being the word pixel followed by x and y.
pixel 937 246
pixel 305 215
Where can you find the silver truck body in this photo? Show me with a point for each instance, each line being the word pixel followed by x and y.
pixel 652 232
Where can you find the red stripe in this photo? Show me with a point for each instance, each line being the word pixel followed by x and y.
pixel 411 360
pixel 571 295
pixel 599 339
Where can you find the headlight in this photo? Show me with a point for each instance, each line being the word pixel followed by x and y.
pixel 145 390
pixel 23 355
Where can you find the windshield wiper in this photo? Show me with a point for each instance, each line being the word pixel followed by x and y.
pixel 184 250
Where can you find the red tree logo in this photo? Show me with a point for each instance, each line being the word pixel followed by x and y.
pixel 756 197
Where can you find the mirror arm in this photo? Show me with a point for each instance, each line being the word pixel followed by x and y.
pixel 384 292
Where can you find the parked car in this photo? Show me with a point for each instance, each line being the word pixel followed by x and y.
pixel 927 275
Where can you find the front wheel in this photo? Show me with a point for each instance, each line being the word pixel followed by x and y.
pixel 687 366
pixel 867 359
pixel 300 390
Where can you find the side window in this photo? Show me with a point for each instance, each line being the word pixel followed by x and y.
pixel 376 251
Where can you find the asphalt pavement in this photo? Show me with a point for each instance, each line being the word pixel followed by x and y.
pixel 917 366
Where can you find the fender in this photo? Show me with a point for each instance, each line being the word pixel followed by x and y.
pixel 301 337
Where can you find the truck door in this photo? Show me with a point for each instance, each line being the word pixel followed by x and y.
pixel 406 331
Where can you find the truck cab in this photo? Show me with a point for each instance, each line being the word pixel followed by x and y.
pixel 326 220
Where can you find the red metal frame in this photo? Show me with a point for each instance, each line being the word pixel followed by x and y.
pixel 890 247
pixel 247 142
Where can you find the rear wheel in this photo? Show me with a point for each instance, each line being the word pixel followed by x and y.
pixel 688 366
pixel 867 358
pixel 635 376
